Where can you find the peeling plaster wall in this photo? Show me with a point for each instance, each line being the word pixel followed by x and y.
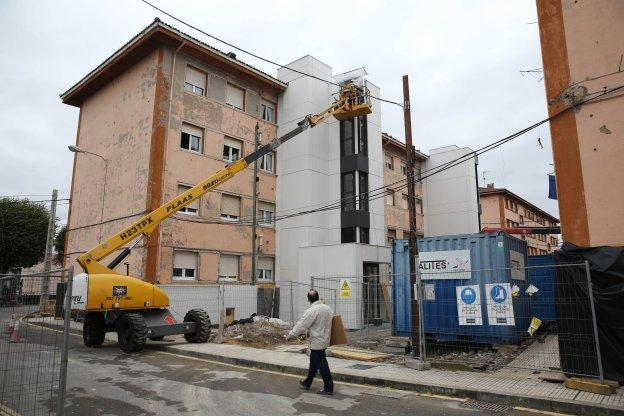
pixel 205 233
pixel 397 218
pixel 594 32
pixel 116 122
pixel 582 54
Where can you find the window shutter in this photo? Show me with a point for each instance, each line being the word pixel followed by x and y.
pixel 228 265
pixel 265 263
pixel 190 129
pixel 184 260
pixel 265 206
pixel 232 143
pixel 235 97
pixel 230 205
pixel 195 77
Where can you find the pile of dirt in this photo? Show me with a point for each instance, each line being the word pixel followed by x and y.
pixel 260 334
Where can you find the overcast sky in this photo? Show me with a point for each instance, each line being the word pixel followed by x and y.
pixel 463 59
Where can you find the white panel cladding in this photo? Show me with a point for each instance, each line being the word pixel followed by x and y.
pixel 450 201
pixel 183 298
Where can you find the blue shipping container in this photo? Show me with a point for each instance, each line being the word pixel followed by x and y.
pixel 543 277
pixel 484 288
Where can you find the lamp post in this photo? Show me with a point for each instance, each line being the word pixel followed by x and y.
pixel 76 149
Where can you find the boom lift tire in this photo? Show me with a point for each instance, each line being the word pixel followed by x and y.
pixel 93 329
pixel 131 332
pixel 201 318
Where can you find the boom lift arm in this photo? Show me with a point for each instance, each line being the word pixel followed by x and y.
pixel 353 101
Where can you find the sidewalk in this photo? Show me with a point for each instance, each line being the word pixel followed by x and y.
pixel 498 388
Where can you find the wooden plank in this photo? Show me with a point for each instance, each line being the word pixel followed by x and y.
pixel 356 355
pixel 385 292
pixel 589 385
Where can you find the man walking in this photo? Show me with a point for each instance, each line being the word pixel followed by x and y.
pixel 317 320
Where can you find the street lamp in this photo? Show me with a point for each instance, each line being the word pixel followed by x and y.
pixel 76 149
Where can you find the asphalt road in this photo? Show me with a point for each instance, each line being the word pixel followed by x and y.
pixel 105 381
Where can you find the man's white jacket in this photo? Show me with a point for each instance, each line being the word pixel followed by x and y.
pixel 317 320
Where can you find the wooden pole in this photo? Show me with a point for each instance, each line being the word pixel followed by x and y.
pixel 413 244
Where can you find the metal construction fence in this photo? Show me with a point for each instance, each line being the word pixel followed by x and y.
pixel 33 355
pixel 540 318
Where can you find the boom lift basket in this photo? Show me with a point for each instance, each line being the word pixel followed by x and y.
pixel 358 102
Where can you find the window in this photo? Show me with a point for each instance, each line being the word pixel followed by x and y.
pixel 265 213
pixel 512 224
pixel 268 111
pixel 264 269
pixel 403 168
pixel 191 138
pixel 364 235
pixel 193 207
pixel 231 149
pixel 363 135
pixel 388 163
pixel 348 191
pixel 235 97
pixel 419 209
pixel 391 235
pixel 521 219
pixel 390 197
pixel 511 205
pixel 406 234
pixel 184 265
pixel 417 172
pixel 347 139
pixel 404 201
pixel 363 191
pixel 230 207
pixel 195 81
pixel 228 267
pixel 553 241
pixel 266 162
pixel 347 235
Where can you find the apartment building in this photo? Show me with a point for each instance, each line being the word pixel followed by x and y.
pixel 160 114
pixel 502 208
pixel 394 178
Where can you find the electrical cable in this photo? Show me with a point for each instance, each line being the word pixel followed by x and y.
pixel 253 54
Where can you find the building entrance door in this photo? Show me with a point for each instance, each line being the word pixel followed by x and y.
pixel 371 293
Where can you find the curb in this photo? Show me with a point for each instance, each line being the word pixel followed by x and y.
pixel 550 405
pixel 499 398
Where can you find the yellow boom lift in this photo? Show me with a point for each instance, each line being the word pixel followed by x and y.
pixel 137 310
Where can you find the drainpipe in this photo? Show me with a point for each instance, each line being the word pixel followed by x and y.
pixel 162 185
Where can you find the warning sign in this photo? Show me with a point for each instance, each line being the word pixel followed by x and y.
pixel 469 305
pixel 345 288
pixel 499 304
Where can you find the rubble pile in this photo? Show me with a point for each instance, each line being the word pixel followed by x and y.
pixel 262 333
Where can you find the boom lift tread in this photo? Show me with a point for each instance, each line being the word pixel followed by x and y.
pixel 136 309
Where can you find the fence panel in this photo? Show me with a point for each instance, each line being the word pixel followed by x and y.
pixel 30 351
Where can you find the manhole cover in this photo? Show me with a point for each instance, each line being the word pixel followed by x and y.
pixel 493 407
pixel 362 366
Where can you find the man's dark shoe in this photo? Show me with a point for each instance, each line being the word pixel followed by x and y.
pixel 303 385
pixel 323 392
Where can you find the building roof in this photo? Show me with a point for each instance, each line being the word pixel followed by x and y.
pixel 391 141
pixel 490 190
pixel 158 33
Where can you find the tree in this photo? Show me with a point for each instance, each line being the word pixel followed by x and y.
pixel 59 245
pixel 23 232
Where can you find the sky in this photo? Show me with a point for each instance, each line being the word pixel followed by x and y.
pixel 463 59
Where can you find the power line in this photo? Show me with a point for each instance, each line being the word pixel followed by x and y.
pixel 238 48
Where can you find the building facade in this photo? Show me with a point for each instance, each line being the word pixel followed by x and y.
pixel 395 176
pixel 162 113
pixel 588 142
pixel 502 208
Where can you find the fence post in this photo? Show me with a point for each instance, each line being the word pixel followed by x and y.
pixel 594 322
pixel 60 411
pixel 292 310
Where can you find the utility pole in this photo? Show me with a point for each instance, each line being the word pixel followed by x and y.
pixel 47 259
pixel 254 248
pixel 416 302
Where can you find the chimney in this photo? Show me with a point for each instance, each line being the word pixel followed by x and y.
pixel 490 186
pixel 231 55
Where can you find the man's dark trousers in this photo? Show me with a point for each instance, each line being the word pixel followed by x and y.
pixel 318 362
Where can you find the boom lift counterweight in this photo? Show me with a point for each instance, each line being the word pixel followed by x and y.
pixel 136 309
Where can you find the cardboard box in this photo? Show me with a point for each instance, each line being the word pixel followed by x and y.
pixel 338 334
